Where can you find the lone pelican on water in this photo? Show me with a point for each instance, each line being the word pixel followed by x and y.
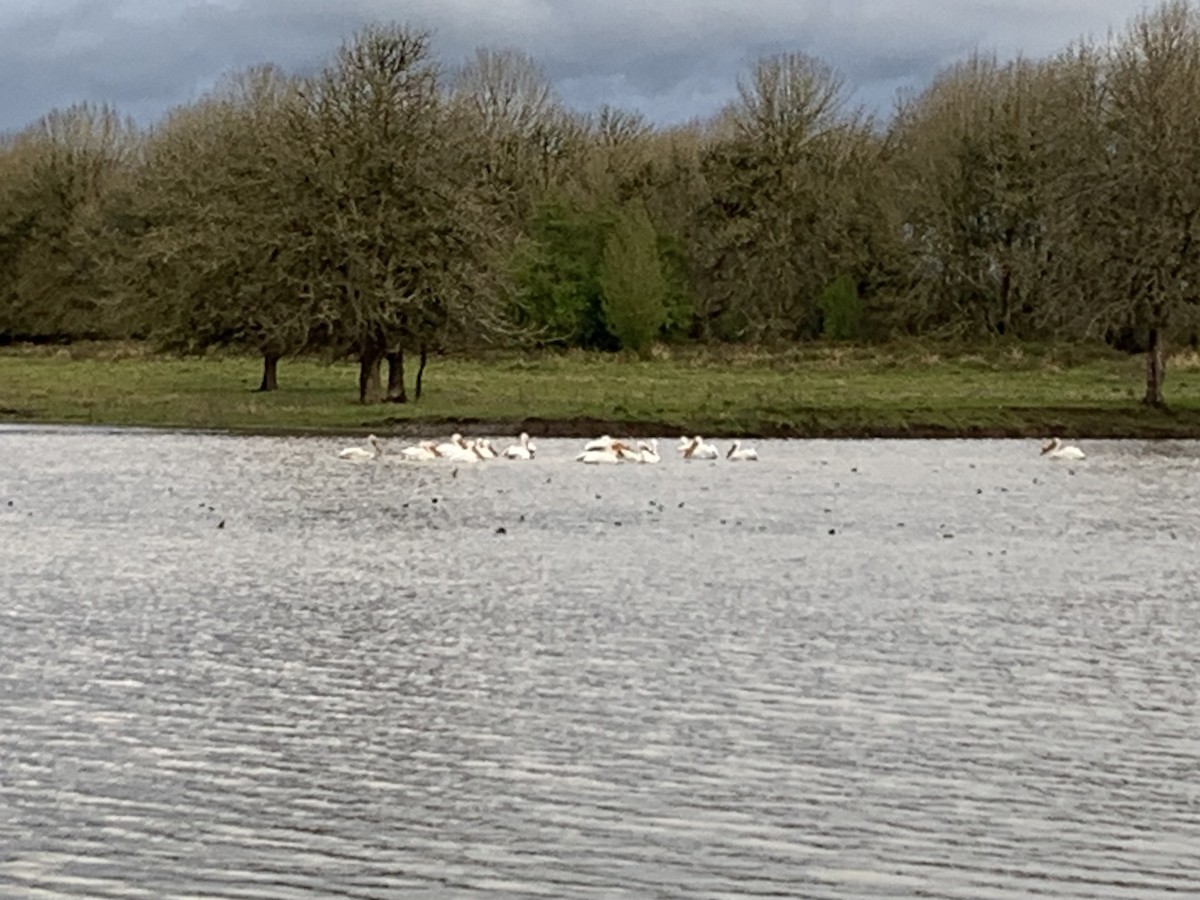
pixel 1056 449
pixel 373 451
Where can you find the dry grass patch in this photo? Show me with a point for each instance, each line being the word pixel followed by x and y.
pixel 1183 361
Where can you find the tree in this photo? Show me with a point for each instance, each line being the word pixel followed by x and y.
pixel 53 185
pixel 1143 203
pixel 528 138
pixel 998 167
pixel 217 263
pixel 673 189
pixel 364 129
pixel 558 296
pixel 633 282
pixel 401 239
pixel 788 209
pixel 618 165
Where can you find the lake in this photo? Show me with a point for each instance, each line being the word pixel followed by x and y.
pixel 238 667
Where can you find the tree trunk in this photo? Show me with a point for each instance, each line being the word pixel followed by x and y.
pixel 395 380
pixel 1156 370
pixel 421 370
pixel 270 375
pixel 369 383
pixel 1003 326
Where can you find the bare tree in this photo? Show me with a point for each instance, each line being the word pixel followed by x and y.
pixel 785 214
pixel 1144 202
pixel 528 137
pixel 973 183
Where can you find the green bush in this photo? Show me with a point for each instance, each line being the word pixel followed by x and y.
pixel 632 280
pixel 841 310
pixel 557 273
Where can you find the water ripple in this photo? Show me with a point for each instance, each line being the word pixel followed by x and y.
pixel 239 668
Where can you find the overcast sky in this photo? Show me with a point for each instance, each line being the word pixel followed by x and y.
pixel 670 59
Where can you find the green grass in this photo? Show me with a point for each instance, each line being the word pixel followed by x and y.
pixel 901 389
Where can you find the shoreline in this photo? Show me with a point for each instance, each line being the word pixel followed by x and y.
pixel 586 427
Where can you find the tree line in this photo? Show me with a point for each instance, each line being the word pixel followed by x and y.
pixel 386 208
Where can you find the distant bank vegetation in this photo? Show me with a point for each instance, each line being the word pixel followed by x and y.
pixel 385 209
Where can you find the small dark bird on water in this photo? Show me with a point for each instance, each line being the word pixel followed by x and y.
pixel 221 524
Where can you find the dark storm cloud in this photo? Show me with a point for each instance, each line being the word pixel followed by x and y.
pixel 672 59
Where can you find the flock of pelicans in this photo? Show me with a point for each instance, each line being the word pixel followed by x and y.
pixel 599 451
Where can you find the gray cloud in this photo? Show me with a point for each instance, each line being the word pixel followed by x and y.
pixel 673 59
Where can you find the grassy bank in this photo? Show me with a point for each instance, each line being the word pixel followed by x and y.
pixel 896 390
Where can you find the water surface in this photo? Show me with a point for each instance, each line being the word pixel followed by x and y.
pixel 240 668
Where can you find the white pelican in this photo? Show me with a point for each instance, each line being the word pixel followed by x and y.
pixel 467 452
pixel 456 443
pixel 684 443
pixel 648 451
pixel 1056 449
pixel 363 453
pixel 612 452
pixel 485 449
pixel 601 443
pixel 738 452
pixel 598 457
pixel 697 449
pixel 627 452
pixel 523 449
pixel 421 452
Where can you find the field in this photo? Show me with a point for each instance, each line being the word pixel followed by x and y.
pixel 917 390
